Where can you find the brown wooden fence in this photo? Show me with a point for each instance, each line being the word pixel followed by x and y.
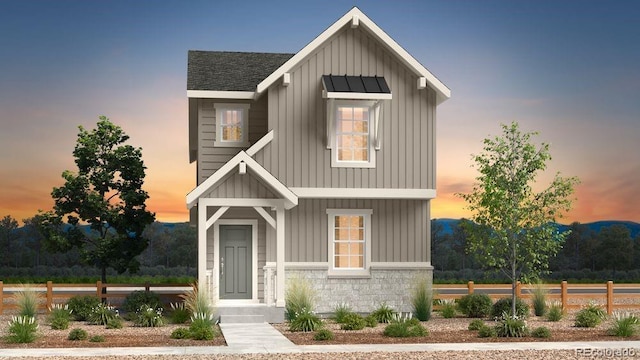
pixel 60 293
pixel 572 296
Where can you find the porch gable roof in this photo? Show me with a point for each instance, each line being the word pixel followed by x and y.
pixel 218 177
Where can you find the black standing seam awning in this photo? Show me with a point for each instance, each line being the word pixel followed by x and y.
pixel 356 84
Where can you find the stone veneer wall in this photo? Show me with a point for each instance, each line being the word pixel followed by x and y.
pixel 390 286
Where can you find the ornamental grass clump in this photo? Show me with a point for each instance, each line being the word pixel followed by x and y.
pixel 300 297
pixel 340 312
pixel 624 325
pixel 305 321
pixel 511 326
pixel 22 329
pixel 384 313
pixel 199 302
pixel 541 332
pixel 101 314
pixel 407 326
pixel 202 327
pixel 353 321
pixel 422 298
pixel 59 316
pixel 448 308
pixel 539 299
pixel 148 316
pixel 323 335
pixel 27 300
pixel 555 312
pixel 179 313
pixel 77 334
pixel 476 324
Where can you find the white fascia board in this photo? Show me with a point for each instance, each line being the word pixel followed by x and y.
pixel 443 91
pixel 260 144
pixel 290 197
pixel 356 96
pixel 210 94
pixel 361 193
pixel 242 202
pixel 212 180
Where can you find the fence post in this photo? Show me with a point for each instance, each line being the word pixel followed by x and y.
pixel 564 296
pixel 146 287
pixel 470 287
pixel 1 297
pixel 49 294
pixel 518 289
pixel 609 297
pixel 99 290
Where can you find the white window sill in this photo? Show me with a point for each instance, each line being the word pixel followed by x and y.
pixel 231 144
pixel 348 274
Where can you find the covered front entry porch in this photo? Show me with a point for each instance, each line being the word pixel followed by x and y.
pixel 228 263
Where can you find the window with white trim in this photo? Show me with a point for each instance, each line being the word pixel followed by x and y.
pixel 349 241
pixel 232 125
pixel 353 133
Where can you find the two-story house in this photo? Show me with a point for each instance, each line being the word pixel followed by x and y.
pixel 319 164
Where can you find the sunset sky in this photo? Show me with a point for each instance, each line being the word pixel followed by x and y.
pixel 568 69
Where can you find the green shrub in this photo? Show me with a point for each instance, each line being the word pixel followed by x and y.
pixel 353 321
pixel 541 332
pixel 179 313
pixel 340 312
pixel 323 335
pixel 476 324
pixel 181 333
pixel 148 316
pixel 136 299
pixel 97 338
pixel 590 316
pixel 370 321
pixel 22 329
pixel 81 306
pixel 555 312
pixel 300 297
pixel 201 329
pixel 539 299
pixel 77 334
pixel 475 305
pixel 624 325
pixel 510 326
pixel 27 299
pixel 405 328
pixel 422 298
pixel 305 321
pixel 114 323
pixel 384 313
pixel 448 308
pixel 504 306
pixel 101 314
pixel 59 317
pixel 487 332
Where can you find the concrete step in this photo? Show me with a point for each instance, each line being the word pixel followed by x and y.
pixel 241 319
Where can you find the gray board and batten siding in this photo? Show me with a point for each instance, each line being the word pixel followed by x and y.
pixel 298 155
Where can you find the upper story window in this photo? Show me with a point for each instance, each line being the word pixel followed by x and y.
pixel 353 136
pixel 354 114
pixel 232 125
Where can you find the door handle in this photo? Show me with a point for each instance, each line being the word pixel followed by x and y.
pixel 221 266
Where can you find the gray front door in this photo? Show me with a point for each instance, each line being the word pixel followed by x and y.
pixel 235 262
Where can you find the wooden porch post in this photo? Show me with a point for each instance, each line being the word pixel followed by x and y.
pixel 280 276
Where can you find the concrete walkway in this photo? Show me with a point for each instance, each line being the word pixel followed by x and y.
pixel 262 338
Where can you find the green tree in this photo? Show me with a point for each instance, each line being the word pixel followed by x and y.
pixel 8 240
pixel 516 233
pixel 615 249
pixel 105 194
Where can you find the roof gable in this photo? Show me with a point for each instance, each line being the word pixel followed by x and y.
pixel 356 18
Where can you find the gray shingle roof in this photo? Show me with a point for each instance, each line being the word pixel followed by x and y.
pixel 230 71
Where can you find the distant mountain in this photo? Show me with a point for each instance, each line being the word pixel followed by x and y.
pixel 634 228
